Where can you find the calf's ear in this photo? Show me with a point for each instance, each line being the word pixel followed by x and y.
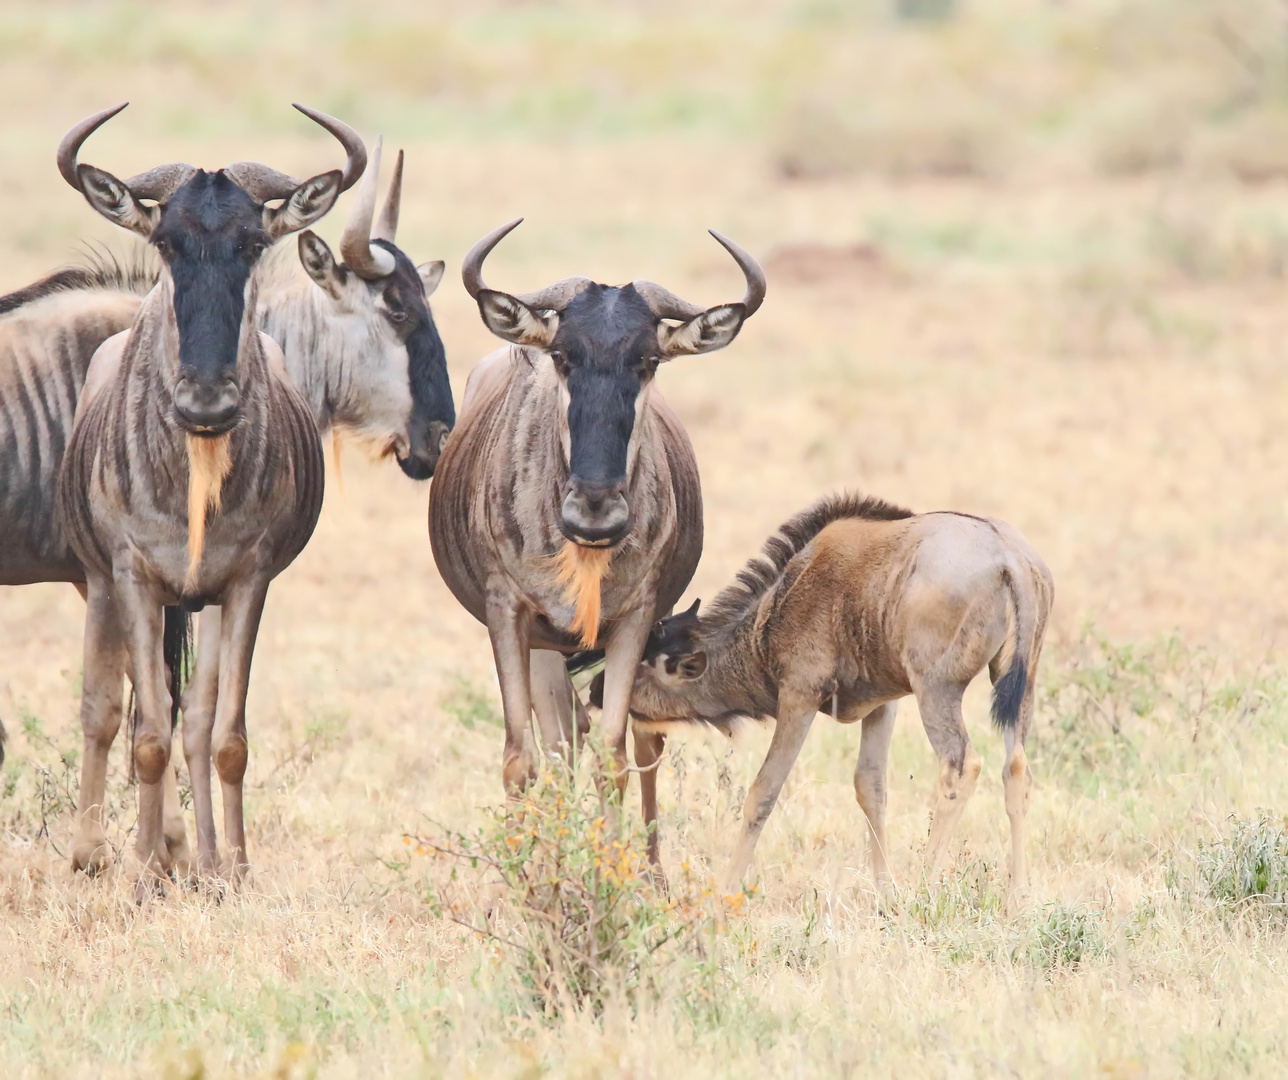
pixel 513 321
pixel 691 666
pixel 711 330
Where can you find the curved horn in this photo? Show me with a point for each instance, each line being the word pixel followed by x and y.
pixel 387 227
pixel 359 253
pixel 69 148
pixel 554 297
pixel 666 305
pixel 751 271
pixel 158 183
pixel 472 267
pixel 264 183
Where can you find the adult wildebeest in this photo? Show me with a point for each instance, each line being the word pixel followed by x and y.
pixel 853 604
pixel 194 472
pixel 362 348
pixel 566 509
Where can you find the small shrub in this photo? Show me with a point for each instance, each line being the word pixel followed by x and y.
pixel 1245 869
pixel 577 912
pixel 471 706
pixel 1063 936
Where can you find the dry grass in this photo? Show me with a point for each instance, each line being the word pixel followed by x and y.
pixel 1096 357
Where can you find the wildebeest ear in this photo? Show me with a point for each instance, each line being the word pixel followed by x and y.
pixel 111 198
pixel 305 205
pixel 512 320
pixel 711 330
pixel 431 273
pixel 319 263
pixel 693 608
pixel 691 666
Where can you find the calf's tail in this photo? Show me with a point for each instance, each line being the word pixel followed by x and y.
pixel 1010 687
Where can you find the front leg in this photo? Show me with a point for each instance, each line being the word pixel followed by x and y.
pixel 239 624
pixel 622 658
pixel 795 715
pixel 649 746
pixel 199 700
pixel 139 605
pixel 507 626
pixel 100 713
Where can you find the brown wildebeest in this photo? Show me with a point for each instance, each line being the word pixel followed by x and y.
pixel 566 510
pixel 193 474
pixel 853 604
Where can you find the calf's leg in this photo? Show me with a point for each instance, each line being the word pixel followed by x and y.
pixel 959 765
pixel 648 754
pixel 870 785
pixel 795 715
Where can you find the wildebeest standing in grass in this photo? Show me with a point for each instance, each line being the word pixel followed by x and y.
pixel 194 470
pixel 853 604
pixel 566 509
pixel 359 341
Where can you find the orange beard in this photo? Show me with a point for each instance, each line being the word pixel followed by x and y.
pixel 581 570
pixel 208 463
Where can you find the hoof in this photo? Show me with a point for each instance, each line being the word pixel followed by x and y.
pixel 92 855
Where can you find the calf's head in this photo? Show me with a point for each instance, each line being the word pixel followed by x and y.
pixel 210 229
pixel 400 397
pixel 606 343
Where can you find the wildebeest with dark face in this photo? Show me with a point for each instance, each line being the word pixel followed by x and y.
pixel 194 470
pixel 566 510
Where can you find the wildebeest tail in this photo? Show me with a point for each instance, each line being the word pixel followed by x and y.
pixel 1008 691
pixel 1 742
pixel 176 650
pixel 584 660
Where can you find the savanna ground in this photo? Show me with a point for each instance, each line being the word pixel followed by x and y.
pixel 1025 259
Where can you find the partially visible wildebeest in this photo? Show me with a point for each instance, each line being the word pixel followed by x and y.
pixel 566 510
pixel 193 473
pixel 853 604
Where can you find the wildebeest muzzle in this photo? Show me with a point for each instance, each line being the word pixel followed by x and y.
pixel 207 408
pixel 595 514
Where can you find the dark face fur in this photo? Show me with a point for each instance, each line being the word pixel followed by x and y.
pixel 606 350
pixel 210 234
pixel 433 414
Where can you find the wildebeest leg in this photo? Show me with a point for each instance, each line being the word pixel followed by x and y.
pixel 239 624
pixel 552 700
pixel 199 701
pixel 621 661
pixel 141 618
pixel 1017 784
pixel 507 626
pixel 102 687
pixel 648 753
pixel 172 825
pixel 959 765
pixel 870 785
pixel 795 715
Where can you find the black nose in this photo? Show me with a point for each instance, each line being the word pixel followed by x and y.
pixel 420 463
pixel 203 407
pixel 595 513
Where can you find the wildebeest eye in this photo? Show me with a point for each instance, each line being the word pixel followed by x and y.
pixel 398 316
pixel 162 246
pixel 255 249
pixel 560 361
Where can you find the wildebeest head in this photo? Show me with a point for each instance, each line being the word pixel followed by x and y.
pixel 400 377
pixel 606 343
pixel 210 229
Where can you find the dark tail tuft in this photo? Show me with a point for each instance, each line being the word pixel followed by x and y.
pixel 176 648
pixel 583 661
pixel 1 742
pixel 1008 693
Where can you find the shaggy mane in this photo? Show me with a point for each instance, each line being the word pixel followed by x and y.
pixel 103 271
pixel 763 570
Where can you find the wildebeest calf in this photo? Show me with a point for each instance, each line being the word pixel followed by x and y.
pixel 853 604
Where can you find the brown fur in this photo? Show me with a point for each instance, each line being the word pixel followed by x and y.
pixel 853 605
pixel 581 571
pixel 209 462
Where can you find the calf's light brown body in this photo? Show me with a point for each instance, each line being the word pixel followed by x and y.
pixel 853 605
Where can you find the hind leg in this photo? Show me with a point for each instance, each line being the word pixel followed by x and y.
pixel 870 785
pixel 959 765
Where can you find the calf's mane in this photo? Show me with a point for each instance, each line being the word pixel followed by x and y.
pixel 763 571
pixel 105 271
